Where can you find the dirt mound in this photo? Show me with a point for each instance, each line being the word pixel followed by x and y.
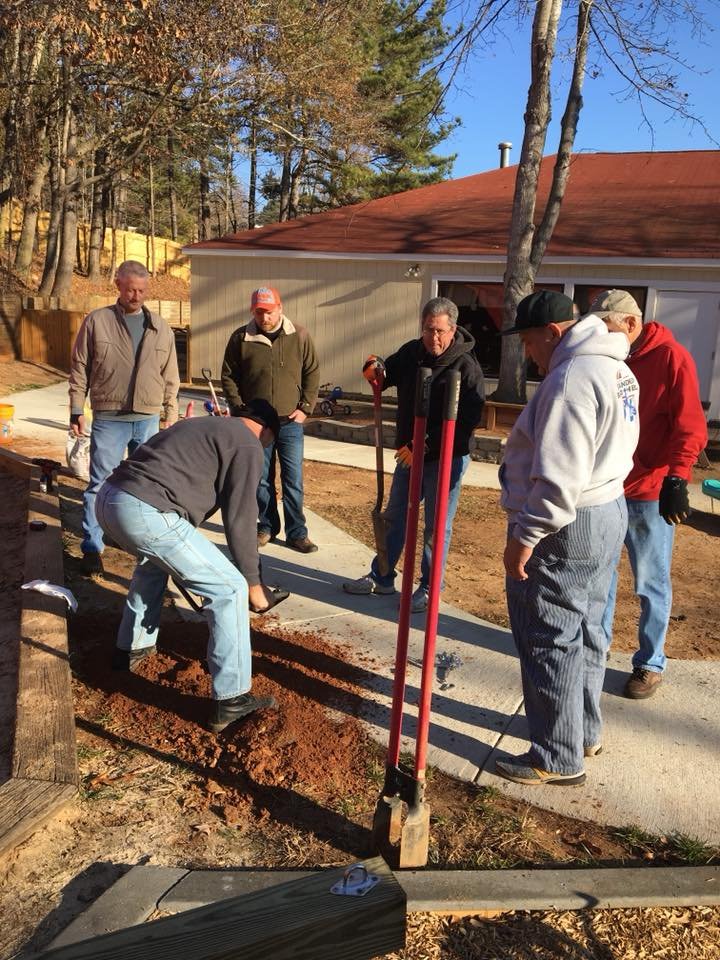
pixel 310 745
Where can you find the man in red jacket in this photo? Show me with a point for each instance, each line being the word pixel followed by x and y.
pixel 672 434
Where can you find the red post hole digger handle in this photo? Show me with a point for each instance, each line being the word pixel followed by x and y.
pixel 422 406
pixel 452 397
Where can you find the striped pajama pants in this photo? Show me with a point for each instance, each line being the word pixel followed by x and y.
pixel 556 621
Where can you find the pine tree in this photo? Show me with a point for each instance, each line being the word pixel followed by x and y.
pixel 405 85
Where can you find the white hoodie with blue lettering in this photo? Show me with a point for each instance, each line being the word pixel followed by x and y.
pixel 572 446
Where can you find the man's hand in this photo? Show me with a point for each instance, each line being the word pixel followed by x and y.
pixel 674 502
pixel 404 455
pixel 298 416
pixel 515 557
pixel 257 597
pixel 77 424
pixel 374 370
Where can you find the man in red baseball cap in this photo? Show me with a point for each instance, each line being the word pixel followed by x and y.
pixel 274 359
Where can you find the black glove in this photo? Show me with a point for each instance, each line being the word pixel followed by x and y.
pixel 674 503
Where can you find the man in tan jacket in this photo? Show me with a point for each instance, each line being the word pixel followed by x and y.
pixel 124 358
pixel 271 358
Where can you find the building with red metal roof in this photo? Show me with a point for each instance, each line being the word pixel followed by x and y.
pixel 357 275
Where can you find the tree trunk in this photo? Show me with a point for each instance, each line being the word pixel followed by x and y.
pixel 172 192
pixel 519 274
pixel 252 188
pixel 285 187
pixel 66 258
pixel 295 181
pixel 568 129
pixel 151 225
pixel 8 156
pixel 228 191
pixel 99 213
pixel 56 207
pixel 26 244
pixel 113 232
pixel 204 200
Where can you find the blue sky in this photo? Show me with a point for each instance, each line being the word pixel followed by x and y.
pixel 491 93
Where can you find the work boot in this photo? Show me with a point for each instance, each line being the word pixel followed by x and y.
pixel 642 684
pixel 419 600
pixel 228 711
pixel 364 586
pixel 129 660
pixel 302 545
pixel 263 538
pixel 91 563
pixel 521 770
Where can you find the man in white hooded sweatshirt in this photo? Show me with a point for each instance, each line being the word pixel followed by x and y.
pixel 562 488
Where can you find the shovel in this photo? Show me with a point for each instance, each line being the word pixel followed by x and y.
pixel 387 821
pixel 415 836
pixel 207 373
pixel 378 517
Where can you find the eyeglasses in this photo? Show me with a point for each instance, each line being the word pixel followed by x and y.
pixel 433 332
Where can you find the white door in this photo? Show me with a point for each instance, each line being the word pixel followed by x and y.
pixel 693 318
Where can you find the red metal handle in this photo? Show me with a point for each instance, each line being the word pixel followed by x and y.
pixel 452 395
pixel 422 401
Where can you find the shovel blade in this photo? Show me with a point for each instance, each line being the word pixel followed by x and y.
pixel 415 837
pixel 380 526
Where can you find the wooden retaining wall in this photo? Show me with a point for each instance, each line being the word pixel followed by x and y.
pixel 44 774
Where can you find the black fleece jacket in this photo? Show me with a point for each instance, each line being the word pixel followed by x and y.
pixel 196 467
pixel 401 372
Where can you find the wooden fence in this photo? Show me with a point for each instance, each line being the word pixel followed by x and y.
pixel 48 327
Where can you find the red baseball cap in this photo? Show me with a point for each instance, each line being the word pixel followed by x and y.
pixel 265 298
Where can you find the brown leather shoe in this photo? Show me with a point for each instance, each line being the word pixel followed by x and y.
pixel 263 538
pixel 642 684
pixel 302 546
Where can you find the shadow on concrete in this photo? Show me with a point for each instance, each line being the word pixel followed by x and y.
pixel 82 890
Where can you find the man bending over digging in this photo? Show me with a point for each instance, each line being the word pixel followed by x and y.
pixel 152 504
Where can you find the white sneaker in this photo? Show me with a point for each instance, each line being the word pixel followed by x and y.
pixel 366 585
pixel 419 601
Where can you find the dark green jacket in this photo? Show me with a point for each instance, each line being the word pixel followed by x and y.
pixel 285 372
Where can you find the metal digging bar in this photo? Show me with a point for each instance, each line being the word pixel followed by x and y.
pixel 399 786
pixel 415 838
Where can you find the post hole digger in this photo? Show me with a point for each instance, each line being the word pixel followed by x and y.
pixel 402 789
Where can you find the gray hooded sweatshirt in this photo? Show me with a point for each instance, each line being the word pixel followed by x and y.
pixel 572 446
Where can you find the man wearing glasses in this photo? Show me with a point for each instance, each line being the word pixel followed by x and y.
pixel 443 346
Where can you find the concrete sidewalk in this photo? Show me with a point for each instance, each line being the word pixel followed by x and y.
pixel 660 758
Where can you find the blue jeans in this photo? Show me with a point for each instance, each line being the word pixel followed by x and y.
pixel 108 441
pixel 396 516
pixel 649 542
pixel 556 621
pixel 288 448
pixel 168 545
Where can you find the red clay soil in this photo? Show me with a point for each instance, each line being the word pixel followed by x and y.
pixel 269 762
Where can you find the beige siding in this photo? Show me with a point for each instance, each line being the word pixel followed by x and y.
pixel 356 307
pixel 351 308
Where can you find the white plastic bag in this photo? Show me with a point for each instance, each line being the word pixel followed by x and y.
pixel 77 454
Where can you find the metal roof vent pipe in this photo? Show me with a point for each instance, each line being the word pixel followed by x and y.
pixel 504 149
